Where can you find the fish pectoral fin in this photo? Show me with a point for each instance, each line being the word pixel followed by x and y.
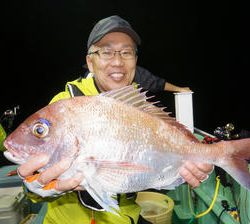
pixel 121 165
pixel 125 166
pixel 105 199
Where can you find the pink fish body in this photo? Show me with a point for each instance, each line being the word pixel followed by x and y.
pixel 120 143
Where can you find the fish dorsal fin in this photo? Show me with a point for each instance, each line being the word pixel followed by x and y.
pixel 137 98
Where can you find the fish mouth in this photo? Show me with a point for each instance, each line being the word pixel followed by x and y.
pixel 13 158
pixel 12 155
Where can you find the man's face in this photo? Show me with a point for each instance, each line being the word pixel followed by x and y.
pixel 115 72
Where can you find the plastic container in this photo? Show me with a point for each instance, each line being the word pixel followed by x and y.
pixel 156 207
pixel 11 209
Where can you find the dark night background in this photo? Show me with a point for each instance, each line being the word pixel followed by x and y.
pixel 200 44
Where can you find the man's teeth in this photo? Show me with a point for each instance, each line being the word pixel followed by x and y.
pixel 116 75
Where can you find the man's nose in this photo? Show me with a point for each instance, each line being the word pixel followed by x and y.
pixel 117 59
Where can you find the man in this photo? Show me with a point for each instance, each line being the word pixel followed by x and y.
pixel 111 59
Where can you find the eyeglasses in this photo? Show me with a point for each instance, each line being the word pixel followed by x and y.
pixel 107 54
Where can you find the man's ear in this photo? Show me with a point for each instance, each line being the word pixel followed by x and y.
pixel 89 63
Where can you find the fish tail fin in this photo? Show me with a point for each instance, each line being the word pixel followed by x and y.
pixel 237 161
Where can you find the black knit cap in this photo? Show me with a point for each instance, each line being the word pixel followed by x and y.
pixel 112 24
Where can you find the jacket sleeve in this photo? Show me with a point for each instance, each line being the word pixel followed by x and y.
pixel 148 80
pixel 59 96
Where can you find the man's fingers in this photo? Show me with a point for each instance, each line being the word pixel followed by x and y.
pixel 69 184
pixel 54 171
pixel 33 164
pixel 196 171
pixel 46 183
pixel 205 167
pixel 189 177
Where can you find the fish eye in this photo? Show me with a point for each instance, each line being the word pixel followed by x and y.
pixel 40 130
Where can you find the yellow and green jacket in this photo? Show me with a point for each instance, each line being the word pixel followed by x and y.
pixel 69 207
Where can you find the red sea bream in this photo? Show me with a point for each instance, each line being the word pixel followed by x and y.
pixel 120 143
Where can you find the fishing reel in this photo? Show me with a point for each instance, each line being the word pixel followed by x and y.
pixel 6 122
pixel 8 116
pixel 229 132
pixel 226 132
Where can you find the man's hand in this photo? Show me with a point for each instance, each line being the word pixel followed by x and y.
pixel 184 89
pixel 46 183
pixel 195 173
